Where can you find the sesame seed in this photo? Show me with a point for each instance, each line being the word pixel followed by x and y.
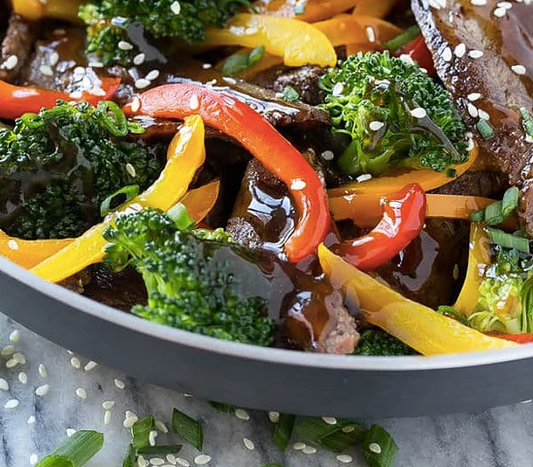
pixel 474 96
pixel 142 462
pixel 92 365
pixel 42 390
pixel 375 447
pixel 46 70
pixel 151 437
pixel 309 450
pixel 519 69
pixel 171 458
pixel 298 184
pixel 156 461
pixel 139 59
pixel 161 426
pixel 182 462
pixel 475 54
pixel 70 431
pixel 434 4
pixel 202 459
pixel 75 362
pixel 96 64
pixel 119 383
pixel 273 417
pixel 407 59
pixel 241 414
pixel 76 95
pixel 248 444
pixel 135 105
pixel 506 5
pixel 470 145
pixel 337 89
pixel 298 446
pixel 194 103
pixel 153 75
pixel 207 66
pixel 142 83
pixel 10 62
pixel 12 404
pixel 123 45
pixel 376 126
pixel 130 414
pixel 42 371
pixel 364 178
pixel 478 2
pixel 460 50
pixel 348 429
pixel 11 363
pixel 31 420
pixel 175 8
pixel 327 155
pixel 483 115
pixel 129 422
pixel 330 420
pixel 60 32
pixel 133 173
pixel 33 459
pixel 23 377
pixel 472 110
pixel 7 351
pixel 447 54
pixel 419 112
pixel 107 417
pixel 370 34
pixel 13 245
pixel 500 12
pixel 344 458
pixel 108 405
pixel 20 358
pixel 229 80
pixel 53 58
pixel 4 385
pixel 81 393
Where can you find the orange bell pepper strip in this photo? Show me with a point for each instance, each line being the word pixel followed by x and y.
pixel 18 100
pixel 376 8
pixel 455 206
pixel 200 201
pixel 58 9
pixel 361 201
pixel 297 42
pixel 187 154
pixel 479 257
pixel 418 326
pixel 311 10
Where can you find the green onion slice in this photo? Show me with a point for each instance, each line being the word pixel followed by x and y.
pixel 226 408
pixel 140 432
pixel 272 465
pixel 131 457
pixel 290 94
pixel 160 450
pixel 403 39
pixel 485 129
pixel 379 449
pixel 180 216
pixel 498 212
pixel 336 438
pixel 75 451
pixel 452 312
pixel 507 240
pixel 510 201
pixel 236 63
pixel 117 199
pixel 189 429
pixel 527 120
pixel 283 431
pixel 113 118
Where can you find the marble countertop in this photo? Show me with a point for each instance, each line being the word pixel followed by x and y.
pixel 502 437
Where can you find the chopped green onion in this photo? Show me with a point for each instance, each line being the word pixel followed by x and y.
pixel 485 129
pixel 75 451
pixel 507 240
pixel 283 431
pixel 113 118
pixel 131 457
pixel 112 202
pixel 336 438
pixel 379 449
pixel 140 431
pixel 498 212
pixel 403 39
pixel 451 312
pixel 189 429
pixel 527 121
pixel 510 201
pixel 222 407
pixel 180 216
pixel 290 94
pixel 236 63
pixel 160 450
pixel 451 172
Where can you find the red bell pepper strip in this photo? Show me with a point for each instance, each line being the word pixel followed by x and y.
pixel 403 219
pixel 241 122
pixel 524 338
pixel 18 100
pixel 418 50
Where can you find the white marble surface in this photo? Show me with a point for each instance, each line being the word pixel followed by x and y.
pixel 502 437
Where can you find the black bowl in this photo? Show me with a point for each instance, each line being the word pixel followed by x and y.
pixel 262 378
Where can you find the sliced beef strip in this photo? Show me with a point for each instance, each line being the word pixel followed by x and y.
pixel 469 31
pixel 484 183
pixel 16 47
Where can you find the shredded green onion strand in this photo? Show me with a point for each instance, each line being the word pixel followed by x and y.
pixel 189 429
pixel 403 39
pixel 181 217
pixel 75 451
pixel 140 431
pixel 379 449
pixel 117 199
pixel 237 63
pixel 527 120
pixel 336 438
pixel 283 431
pixel 451 312
pixel 160 450
pixel 507 240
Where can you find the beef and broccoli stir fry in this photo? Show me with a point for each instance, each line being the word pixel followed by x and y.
pixel 341 176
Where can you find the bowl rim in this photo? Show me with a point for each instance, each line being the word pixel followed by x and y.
pixel 262 354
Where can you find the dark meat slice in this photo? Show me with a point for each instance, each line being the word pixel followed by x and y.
pixel 483 183
pixel 486 62
pixel 304 80
pixel 16 47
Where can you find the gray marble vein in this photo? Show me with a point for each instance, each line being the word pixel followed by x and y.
pixel 502 437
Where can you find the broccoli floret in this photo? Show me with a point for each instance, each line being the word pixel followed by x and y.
pixel 505 302
pixel 108 22
pixel 377 343
pixel 190 286
pixel 394 115
pixel 57 167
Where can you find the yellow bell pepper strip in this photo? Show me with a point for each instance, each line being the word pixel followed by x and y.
pixel 200 201
pixel 361 201
pixel 29 253
pixel 479 257
pixel 297 42
pixel 186 155
pixel 455 206
pixel 376 8
pixel 418 326
pixel 309 10
pixel 58 9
